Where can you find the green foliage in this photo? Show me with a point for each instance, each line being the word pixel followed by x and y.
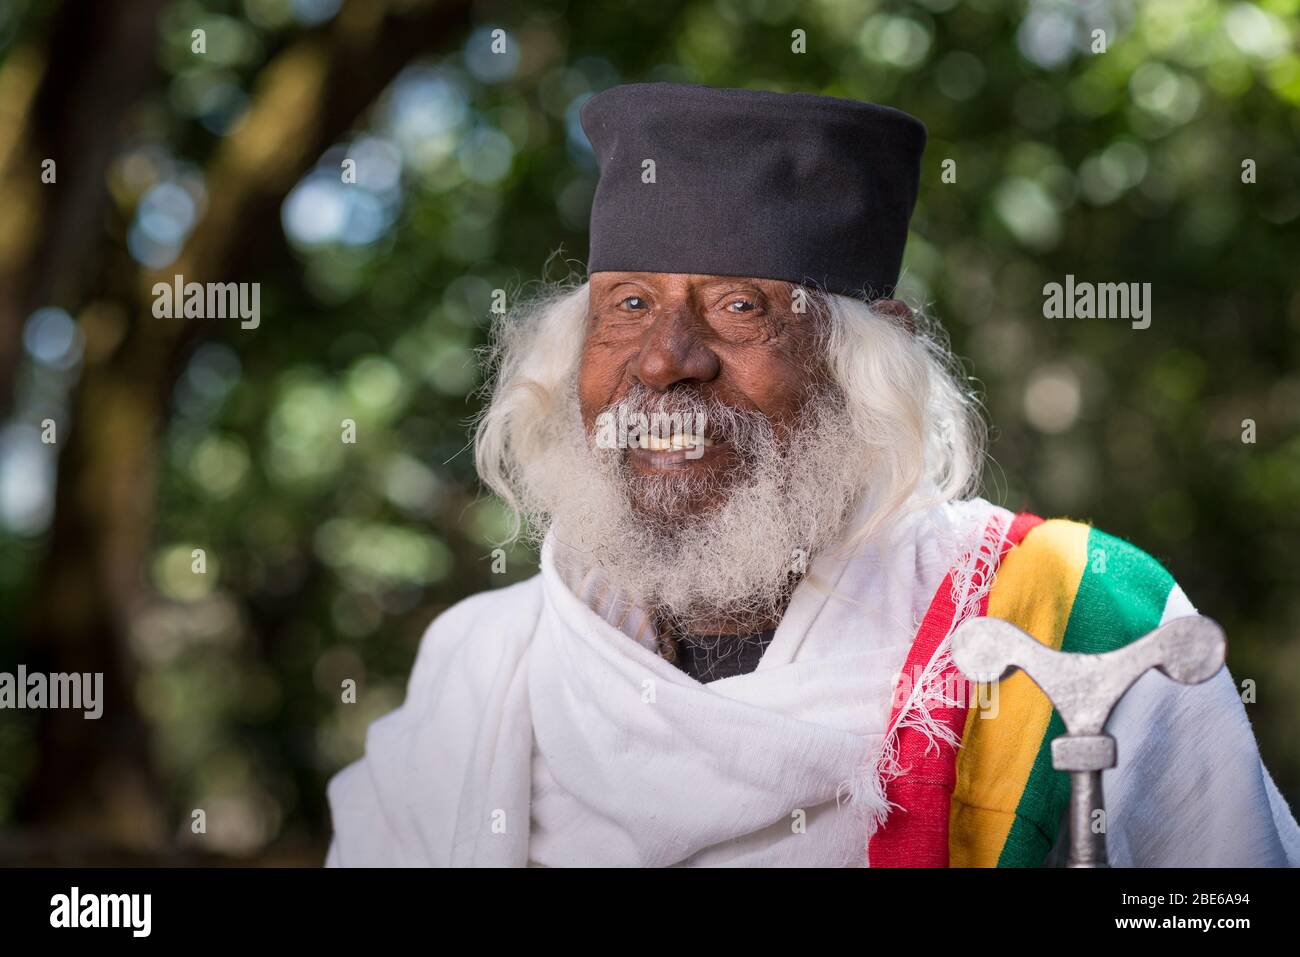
pixel 326 559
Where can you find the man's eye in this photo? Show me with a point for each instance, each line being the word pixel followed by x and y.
pixel 633 302
pixel 741 305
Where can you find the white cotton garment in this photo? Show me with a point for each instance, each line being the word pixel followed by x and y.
pixel 541 729
pixel 637 764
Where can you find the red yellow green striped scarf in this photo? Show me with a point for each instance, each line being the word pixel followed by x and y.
pixel 997 801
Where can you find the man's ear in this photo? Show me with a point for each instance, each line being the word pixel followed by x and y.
pixel 898 310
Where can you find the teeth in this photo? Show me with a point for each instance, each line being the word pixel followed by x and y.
pixel 655 444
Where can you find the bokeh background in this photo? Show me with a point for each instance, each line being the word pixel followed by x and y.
pixel 326 560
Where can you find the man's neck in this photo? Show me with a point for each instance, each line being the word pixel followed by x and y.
pixel 712 657
pixel 719 647
pixel 721 626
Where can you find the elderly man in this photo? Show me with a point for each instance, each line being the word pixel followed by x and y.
pixel 751 474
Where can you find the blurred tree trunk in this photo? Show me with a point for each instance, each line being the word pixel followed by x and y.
pixel 97 776
pixel 66 98
pixel 77 91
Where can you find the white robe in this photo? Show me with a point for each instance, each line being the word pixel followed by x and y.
pixel 541 728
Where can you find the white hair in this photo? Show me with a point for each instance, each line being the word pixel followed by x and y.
pixel 912 414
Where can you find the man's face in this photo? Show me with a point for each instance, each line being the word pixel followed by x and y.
pixel 687 337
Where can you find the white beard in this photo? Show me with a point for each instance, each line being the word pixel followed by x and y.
pixel 732 564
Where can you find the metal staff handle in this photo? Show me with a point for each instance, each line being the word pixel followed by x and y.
pixel 1084 689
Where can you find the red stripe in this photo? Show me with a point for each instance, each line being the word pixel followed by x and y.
pixel 916 834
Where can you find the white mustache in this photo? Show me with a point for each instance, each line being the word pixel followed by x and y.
pixel 744 429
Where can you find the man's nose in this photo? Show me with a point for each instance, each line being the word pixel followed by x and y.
pixel 674 350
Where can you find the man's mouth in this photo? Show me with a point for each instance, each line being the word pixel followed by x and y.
pixel 654 455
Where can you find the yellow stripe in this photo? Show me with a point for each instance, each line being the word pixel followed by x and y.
pixel 1034 589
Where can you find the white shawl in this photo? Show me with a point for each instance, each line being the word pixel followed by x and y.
pixel 540 728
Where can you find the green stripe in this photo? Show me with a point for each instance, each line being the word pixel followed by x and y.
pixel 1121 597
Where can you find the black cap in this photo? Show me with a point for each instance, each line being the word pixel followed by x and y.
pixel 810 189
